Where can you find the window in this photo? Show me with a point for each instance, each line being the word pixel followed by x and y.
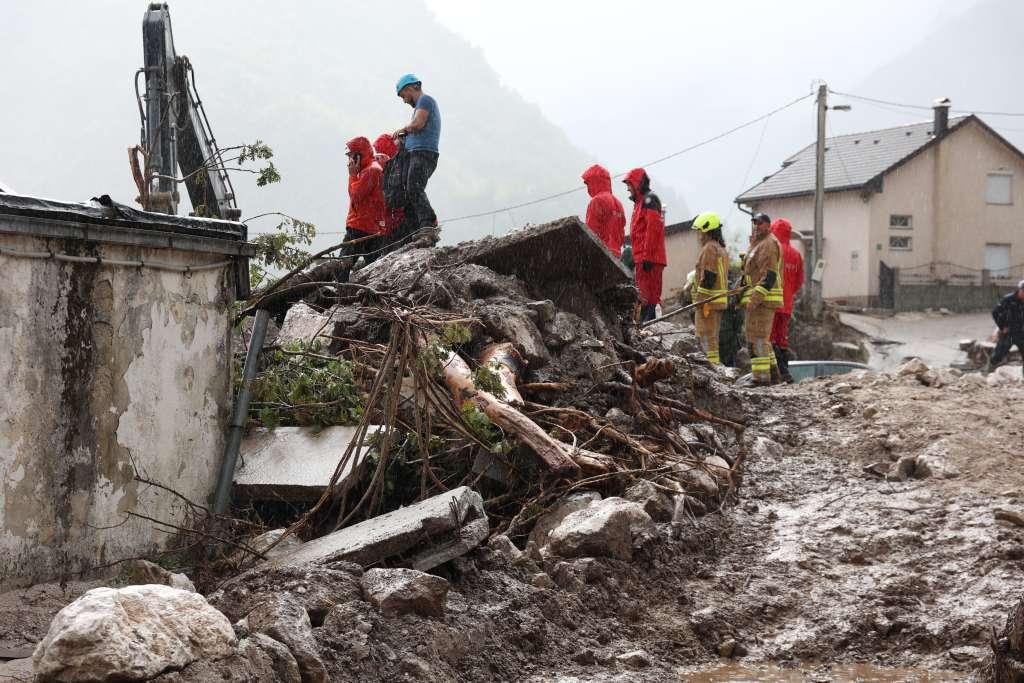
pixel 900 243
pixel 901 222
pixel 997 259
pixel 999 188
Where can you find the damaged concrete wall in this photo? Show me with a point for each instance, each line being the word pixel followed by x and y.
pixel 103 365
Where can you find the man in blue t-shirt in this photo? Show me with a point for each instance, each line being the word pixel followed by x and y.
pixel 421 137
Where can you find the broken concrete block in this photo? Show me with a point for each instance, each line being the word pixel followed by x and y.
pixel 613 527
pixel 264 541
pixel 425 535
pixel 655 503
pixel 914 367
pixel 294 463
pixel 405 591
pixel 131 634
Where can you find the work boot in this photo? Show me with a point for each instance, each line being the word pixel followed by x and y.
pixel 776 375
pixel 782 358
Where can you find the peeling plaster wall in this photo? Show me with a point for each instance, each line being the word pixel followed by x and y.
pixel 103 366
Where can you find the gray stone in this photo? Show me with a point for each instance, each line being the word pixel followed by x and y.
pixel 719 468
pixel 426 534
pixel 302 324
pixel 504 547
pixel 568 576
pixel 562 509
pixel 695 480
pixel 545 310
pixel 264 541
pixel 636 659
pixel 935 462
pixel 512 324
pixel 763 447
pixel 612 527
pixel 405 591
pixel 655 503
pixel 869 412
pixel 905 467
pixel 542 580
pixel 131 634
pixel 294 463
pixel 914 367
pixel 619 419
pixel 316 587
pixel 285 620
pixel 563 330
pixel 415 668
pixel 727 648
pixel 143 572
pixel 269 659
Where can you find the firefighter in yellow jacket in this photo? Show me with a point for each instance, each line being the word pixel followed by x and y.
pixel 711 277
pixel 762 277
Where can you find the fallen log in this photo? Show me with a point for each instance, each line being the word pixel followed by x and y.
pixel 459 379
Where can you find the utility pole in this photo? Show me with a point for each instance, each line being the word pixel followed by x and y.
pixel 819 203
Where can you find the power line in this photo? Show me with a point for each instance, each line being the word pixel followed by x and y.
pixel 667 157
pixel 923 107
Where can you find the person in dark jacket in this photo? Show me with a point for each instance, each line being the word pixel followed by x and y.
pixel 647 230
pixel 605 215
pixel 1009 317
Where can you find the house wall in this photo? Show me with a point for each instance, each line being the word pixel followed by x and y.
pixel 681 250
pixel 847 217
pixel 106 370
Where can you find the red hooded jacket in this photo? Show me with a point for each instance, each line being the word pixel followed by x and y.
pixel 365 191
pixel 605 215
pixel 792 264
pixel 647 227
pixel 385 148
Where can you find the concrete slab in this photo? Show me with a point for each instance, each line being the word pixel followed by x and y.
pixel 420 536
pixel 293 463
pixel 564 249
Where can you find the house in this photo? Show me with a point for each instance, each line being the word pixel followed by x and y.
pixel 681 248
pixel 939 202
pixel 116 329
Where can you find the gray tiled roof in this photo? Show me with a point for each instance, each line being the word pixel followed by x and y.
pixel 850 160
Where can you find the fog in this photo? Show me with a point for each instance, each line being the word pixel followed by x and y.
pixel 531 93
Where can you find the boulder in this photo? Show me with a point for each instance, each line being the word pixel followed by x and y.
pixel 718 468
pixel 655 502
pixel 405 591
pixel 141 572
pixel 636 659
pixel 131 634
pixel 502 545
pixel 612 527
pixel 285 620
pixel 695 480
pixel 303 324
pixel 562 509
pixel 262 542
pixel 915 367
pixel 763 447
pixel 269 659
pixel 316 587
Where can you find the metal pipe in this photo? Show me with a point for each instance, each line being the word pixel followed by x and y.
pixel 241 411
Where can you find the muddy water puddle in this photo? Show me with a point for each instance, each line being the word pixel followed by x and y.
pixel 845 673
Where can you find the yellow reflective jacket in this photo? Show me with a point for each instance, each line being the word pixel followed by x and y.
pixel 762 273
pixel 712 275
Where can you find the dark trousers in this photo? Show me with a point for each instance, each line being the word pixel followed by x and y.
pixel 420 167
pixel 1003 346
pixel 367 248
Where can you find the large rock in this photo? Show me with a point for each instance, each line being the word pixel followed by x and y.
pixel 405 591
pixel 655 502
pixel 613 527
pixel 425 535
pixel 316 587
pixel 131 634
pixel 269 659
pixel 303 324
pixel 286 621
pixel 562 509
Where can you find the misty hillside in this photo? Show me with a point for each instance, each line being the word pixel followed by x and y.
pixel 304 77
pixel 971 59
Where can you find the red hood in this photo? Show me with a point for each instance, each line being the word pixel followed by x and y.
pixel 386 145
pixel 597 180
pixel 637 180
pixel 364 148
pixel 782 230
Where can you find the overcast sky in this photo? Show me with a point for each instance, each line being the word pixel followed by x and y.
pixel 633 82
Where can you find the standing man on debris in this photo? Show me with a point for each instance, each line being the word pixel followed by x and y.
pixel 1009 317
pixel 647 230
pixel 366 210
pixel 762 277
pixel 792 281
pixel 422 135
pixel 711 277
pixel 605 215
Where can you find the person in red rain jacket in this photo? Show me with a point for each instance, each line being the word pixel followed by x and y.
pixel 605 215
pixel 366 202
pixel 647 231
pixel 792 281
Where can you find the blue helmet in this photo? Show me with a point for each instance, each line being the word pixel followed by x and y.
pixel 407 79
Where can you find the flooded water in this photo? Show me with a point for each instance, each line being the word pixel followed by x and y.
pixel 843 673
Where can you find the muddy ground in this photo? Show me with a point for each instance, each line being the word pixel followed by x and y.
pixel 819 562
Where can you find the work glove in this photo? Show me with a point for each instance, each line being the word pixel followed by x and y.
pixel 648 266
